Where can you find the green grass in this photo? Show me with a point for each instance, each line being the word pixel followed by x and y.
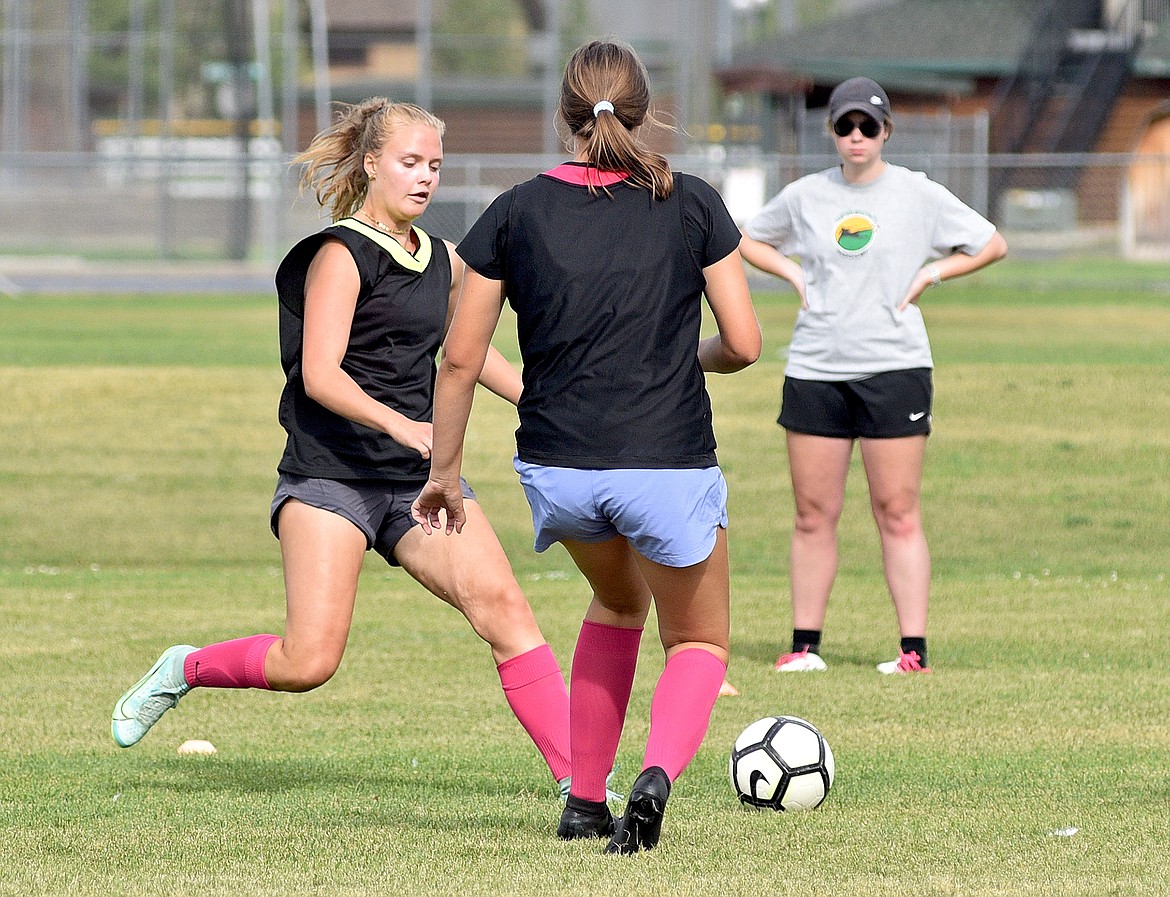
pixel 138 440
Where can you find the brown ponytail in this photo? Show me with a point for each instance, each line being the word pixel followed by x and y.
pixel 334 160
pixel 611 71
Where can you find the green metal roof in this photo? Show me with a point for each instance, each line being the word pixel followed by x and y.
pixel 922 45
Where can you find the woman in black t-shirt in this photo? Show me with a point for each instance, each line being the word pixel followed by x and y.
pixel 606 260
pixel 363 308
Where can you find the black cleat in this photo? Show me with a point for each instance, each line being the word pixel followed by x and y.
pixel 641 825
pixel 584 819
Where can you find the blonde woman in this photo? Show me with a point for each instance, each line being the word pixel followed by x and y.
pixel 364 305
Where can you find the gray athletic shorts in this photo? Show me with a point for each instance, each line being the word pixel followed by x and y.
pixel 379 508
pixel 883 406
pixel 670 516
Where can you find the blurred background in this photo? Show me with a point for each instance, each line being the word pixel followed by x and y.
pixel 156 130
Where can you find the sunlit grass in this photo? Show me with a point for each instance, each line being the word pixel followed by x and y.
pixel 138 443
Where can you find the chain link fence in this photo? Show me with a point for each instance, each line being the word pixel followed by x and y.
pixel 194 199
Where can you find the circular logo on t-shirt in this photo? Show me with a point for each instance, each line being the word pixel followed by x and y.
pixel 853 233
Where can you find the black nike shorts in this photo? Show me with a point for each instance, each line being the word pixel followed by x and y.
pixel 882 406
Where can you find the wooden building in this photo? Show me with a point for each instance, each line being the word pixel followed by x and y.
pixel 1053 77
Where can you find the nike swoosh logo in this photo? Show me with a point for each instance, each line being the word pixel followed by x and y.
pixel 756 778
pixel 918 415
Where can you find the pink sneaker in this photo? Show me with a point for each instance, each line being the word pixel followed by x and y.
pixel 906 663
pixel 803 661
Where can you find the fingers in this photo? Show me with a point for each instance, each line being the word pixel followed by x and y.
pixel 425 509
pixel 423 444
pixel 434 511
pixel 422 516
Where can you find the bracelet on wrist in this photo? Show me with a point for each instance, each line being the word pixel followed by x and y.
pixel 935 274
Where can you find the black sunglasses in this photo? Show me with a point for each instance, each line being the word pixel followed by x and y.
pixel 869 127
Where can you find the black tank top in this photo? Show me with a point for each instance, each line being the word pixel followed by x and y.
pixel 396 334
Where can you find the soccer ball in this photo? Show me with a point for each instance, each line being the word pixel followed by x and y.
pixel 781 763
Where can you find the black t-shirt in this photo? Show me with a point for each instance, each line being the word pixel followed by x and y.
pixel 607 289
pixel 396 333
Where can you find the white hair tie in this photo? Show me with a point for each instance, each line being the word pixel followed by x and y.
pixel 602 106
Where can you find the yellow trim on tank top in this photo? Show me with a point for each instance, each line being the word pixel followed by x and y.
pixel 417 262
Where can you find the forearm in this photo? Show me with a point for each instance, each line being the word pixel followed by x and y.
pixel 333 388
pixel 955 265
pixel 959 263
pixel 714 358
pixel 738 340
pixel 454 394
pixel 499 377
pixel 466 359
pixel 769 259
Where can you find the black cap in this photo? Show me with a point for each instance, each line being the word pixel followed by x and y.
pixel 859 95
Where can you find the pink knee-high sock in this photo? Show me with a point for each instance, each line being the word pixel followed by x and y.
pixel 681 709
pixel 601 680
pixel 235 664
pixel 535 689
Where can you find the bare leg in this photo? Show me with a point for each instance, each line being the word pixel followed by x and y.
pixel 471 573
pixel 692 608
pixel 323 555
pixel 605 659
pixel 693 622
pixel 894 470
pixel 621 596
pixel 692 602
pixel 819 466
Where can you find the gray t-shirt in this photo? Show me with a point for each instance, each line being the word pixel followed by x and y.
pixel 860 246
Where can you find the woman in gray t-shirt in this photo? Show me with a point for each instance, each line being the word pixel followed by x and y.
pixel 871 237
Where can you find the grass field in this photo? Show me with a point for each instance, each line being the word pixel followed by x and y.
pixel 138 439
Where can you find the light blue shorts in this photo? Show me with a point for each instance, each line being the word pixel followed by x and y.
pixel 671 517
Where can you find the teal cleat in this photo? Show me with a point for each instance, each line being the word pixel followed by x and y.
pixel 153 695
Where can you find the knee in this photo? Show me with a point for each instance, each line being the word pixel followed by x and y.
pixel 816 520
pixel 627 606
pixel 898 520
pixel 305 675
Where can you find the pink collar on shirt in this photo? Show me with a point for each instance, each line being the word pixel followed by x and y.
pixel 584 175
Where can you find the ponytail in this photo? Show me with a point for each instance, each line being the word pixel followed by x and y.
pixel 605 95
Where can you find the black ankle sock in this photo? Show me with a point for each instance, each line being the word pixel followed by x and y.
pixel 588 807
pixel 806 638
pixel 915 644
